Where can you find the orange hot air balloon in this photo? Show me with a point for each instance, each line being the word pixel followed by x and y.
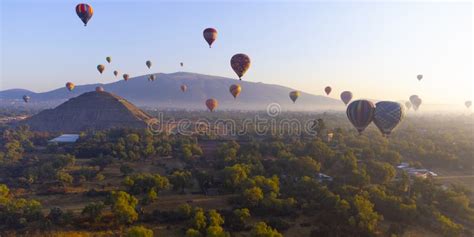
pixel 328 90
pixel 240 63
pixel 100 68
pixel 115 73
pixel 70 86
pixel 294 95
pixel 210 35
pixel 125 77
pixel 211 104
pixel 235 90
pixel 183 88
pixel 99 89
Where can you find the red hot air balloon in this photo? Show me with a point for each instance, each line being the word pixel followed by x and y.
pixel 360 113
pixel 235 90
pixel 240 63
pixel 99 89
pixel 328 90
pixel 346 97
pixel 211 104
pixel 125 77
pixel 100 68
pixel 387 116
pixel 85 12
pixel 70 86
pixel 210 35
pixel 183 88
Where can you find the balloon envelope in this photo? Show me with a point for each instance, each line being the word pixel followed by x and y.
pixel 328 90
pixel 346 97
pixel 183 88
pixel 294 95
pixel 182 64
pixel 148 64
pixel 125 77
pixel 26 98
pixel 408 104
pixel 240 63
pixel 115 72
pixel 468 103
pixel 70 86
pixel 210 35
pixel 235 90
pixel 151 77
pixel 108 59
pixel 360 113
pixel 387 116
pixel 415 101
pixel 99 89
pixel 85 12
pixel 100 68
pixel 211 104
pixel 419 77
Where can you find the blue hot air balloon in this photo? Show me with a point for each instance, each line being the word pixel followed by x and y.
pixel 387 116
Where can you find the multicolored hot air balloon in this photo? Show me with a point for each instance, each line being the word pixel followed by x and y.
pixel 211 104
pixel 360 113
pixel 468 103
pixel 148 64
pixel 100 68
pixel 115 73
pixel 99 89
pixel 183 88
pixel 328 90
pixel 408 105
pixel 240 63
pixel 85 12
pixel 125 77
pixel 151 77
pixel 181 63
pixel 26 98
pixel 387 116
pixel 419 77
pixel 108 59
pixel 70 86
pixel 294 95
pixel 235 90
pixel 210 35
pixel 346 97
pixel 415 101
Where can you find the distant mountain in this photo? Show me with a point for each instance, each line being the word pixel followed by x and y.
pixel 164 92
pixel 91 110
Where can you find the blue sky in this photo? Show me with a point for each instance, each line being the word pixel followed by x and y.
pixel 374 49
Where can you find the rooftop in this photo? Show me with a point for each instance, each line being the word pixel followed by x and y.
pixel 65 138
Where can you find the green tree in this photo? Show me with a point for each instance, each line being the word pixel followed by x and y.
pixel 252 196
pixel 123 207
pixel 181 180
pixel 193 233
pixel 261 229
pixel 366 218
pixel 215 219
pixel 93 211
pixel 199 220
pixel 139 231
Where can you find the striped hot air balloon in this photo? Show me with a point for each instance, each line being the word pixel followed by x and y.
pixel 85 12
pixel 360 113
pixel 387 116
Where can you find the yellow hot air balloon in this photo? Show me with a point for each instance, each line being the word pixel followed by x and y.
pixel 70 86
pixel 294 95
pixel 211 104
pixel 235 90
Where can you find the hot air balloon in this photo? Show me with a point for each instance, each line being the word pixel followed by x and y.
pixel 211 104
pixel 181 63
pixel 468 103
pixel 240 63
pixel 210 35
pixel 360 113
pixel 408 105
pixel 85 12
pixel 346 97
pixel 387 116
pixel 415 101
pixel 125 77
pixel 183 88
pixel 235 90
pixel 70 86
pixel 116 73
pixel 100 68
pixel 328 90
pixel 294 95
pixel 26 98
pixel 151 77
pixel 108 59
pixel 419 77
pixel 148 64
pixel 99 89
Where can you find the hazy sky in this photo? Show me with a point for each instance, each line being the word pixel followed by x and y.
pixel 374 49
